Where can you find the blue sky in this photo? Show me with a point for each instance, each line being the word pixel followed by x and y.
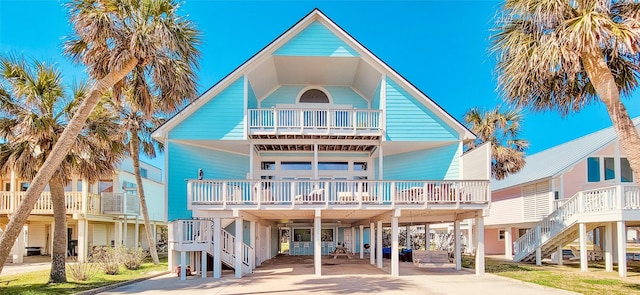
pixel 439 46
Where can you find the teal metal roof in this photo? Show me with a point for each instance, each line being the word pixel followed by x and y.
pixel 551 162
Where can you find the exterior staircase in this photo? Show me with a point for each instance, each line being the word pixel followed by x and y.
pixel 593 207
pixel 197 235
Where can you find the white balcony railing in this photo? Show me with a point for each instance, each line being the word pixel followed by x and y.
pixel 10 201
pixel 120 204
pixel 328 121
pixel 590 201
pixel 336 192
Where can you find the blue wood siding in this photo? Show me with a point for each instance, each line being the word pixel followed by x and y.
pixel 432 164
pixel 346 96
pixel 286 94
pixel 222 117
pixel 184 162
pixel 252 101
pixel 375 101
pixel 316 40
pixel 407 119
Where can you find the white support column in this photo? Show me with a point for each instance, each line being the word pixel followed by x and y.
pixel 559 256
pixel 622 248
pixel 252 241
pixel 136 234
pixel 203 264
pixel 268 238
pixel 317 242
pixel 171 260
pixel 315 161
pixel 538 250
pixel 217 248
pixel 183 265
pixel 408 237
pixel 238 247
pixel 456 251
pixel 125 227
pixel 372 243
pixel 361 233
pixel 508 243
pixel 608 247
pixel 380 162
pixel 480 245
pixel 83 240
pixel 395 253
pixel 18 248
pixel 584 265
pixel 251 152
pixel 427 238
pixel 471 242
pixel 379 244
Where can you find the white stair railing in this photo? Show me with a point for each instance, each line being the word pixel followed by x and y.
pixel 596 200
pixel 228 254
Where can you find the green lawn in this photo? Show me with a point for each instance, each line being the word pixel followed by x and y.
pixel 568 277
pixel 36 282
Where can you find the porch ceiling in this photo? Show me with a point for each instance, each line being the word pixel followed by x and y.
pixel 313 70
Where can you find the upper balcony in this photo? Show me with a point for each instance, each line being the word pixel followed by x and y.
pixel 120 204
pixel 352 123
pixel 10 201
pixel 338 194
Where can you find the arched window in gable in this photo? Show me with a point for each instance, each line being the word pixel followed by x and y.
pixel 314 96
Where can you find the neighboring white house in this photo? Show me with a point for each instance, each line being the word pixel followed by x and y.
pixel 316 141
pixel 563 192
pixel 96 212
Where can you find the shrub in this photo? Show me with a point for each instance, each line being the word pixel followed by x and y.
pixel 133 258
pixel 82 271
pixel 109 258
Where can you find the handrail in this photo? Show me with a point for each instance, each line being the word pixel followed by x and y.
pixel 9 202
pixel 200 232
pixel 398 192
pixel 339 119
pixel 594 200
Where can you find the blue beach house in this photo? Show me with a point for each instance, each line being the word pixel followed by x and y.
pixel 312 145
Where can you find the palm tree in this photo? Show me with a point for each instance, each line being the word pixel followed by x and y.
pixel 35 112
pixel 565 55
pixel 501 129
pixel 137 131
pixel 113 37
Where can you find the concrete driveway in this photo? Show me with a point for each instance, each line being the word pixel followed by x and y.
pixel 340 276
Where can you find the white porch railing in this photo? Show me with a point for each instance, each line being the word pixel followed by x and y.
pixel 10 201
pixel 595 200
pixel 336 192
pixel 120 204
pixel 197 235
pixel 276 120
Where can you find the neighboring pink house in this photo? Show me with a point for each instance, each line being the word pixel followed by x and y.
pixel 561 194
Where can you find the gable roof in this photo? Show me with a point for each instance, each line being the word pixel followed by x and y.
pixel 553 161
pixel 314 16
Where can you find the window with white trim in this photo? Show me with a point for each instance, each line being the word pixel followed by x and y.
pixel 604 169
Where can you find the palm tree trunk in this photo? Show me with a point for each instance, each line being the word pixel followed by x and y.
pixel 134 148
pixel 58 272
pixel 605 85
pixel 60 150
